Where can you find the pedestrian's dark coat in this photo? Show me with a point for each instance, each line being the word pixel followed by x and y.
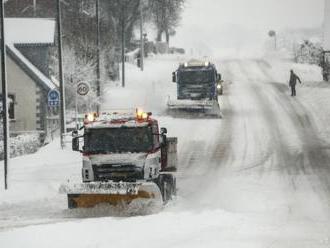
pixel 293 79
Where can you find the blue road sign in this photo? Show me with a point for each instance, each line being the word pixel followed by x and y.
pixel 53 98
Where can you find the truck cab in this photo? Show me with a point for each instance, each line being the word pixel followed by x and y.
pixel 126 148
pixel 198 87
pixel 197 80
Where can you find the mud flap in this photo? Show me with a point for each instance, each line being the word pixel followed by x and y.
pixel 167 185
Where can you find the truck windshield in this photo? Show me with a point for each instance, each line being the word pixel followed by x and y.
pixel 116 140
pixel 196 77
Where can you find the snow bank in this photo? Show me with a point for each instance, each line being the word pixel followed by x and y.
pixel 148 89
pixel 280 67
pixel 22 144
pixel 38 176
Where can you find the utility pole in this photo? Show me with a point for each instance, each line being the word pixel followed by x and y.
pixel 123 44
pixel 98 70
pixel 5 116
pixel 35 8
pixel 141 37
pixel 60 67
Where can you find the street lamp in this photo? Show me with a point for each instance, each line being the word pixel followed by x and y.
pixel 272 33
pixel 123 43
pixel 98 69
pixel 61 78
pixel 141 37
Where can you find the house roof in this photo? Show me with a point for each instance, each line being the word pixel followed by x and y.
pixel 29 68
pixel 30 31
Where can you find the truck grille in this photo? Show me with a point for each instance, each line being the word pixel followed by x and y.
pixel 122 172
pixel 194 91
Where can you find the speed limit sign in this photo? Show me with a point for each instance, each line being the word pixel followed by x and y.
pixel 82 88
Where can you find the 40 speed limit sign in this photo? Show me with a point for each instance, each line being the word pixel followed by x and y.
pixel 83 88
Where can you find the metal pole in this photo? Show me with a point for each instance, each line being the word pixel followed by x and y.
pixel 275 40
pixel 4 96
pixel 141 37
pixel 98 70
pixel 60 66
pixel 123 44
pixel 35 8
pixel 76 103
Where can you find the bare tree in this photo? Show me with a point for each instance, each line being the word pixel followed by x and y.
pixel 77 70
pixel 166 15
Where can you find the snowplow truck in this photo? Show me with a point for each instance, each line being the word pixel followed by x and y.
pixel 198 87
pixel 126 157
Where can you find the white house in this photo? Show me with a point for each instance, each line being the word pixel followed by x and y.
pixel 28 41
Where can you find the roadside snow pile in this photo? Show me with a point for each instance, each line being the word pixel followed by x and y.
pixel 309 53
pixel 280 70
pixel 22 144
pixel 315 97
pixel 149 89
pixel 38 176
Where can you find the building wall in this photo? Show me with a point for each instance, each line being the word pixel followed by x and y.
pixel 26 95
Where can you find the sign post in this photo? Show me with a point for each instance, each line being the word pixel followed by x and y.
pixel 53 98
pixel 82 90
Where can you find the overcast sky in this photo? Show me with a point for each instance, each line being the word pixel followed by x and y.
pixel 225 23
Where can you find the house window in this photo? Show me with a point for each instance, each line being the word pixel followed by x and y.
pixel 11 105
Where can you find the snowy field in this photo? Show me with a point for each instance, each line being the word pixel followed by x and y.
pixel 258 177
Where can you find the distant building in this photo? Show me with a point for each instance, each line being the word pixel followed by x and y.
pixel 28 41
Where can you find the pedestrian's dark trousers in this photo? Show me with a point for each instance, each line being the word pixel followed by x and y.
pixel 293 90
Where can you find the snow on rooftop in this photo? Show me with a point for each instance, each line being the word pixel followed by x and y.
pixel 29 30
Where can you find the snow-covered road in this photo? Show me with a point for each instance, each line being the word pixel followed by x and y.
pixel 259 177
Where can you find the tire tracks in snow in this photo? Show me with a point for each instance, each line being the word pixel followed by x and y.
pixel 315 159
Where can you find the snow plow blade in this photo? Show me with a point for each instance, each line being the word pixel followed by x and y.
pixel 207 107
pixel 89 195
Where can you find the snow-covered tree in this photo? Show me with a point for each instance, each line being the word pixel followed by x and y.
pixel 308 53
pixel 77 70
pixel 166 15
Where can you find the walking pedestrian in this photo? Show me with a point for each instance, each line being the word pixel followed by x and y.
pixel 293 82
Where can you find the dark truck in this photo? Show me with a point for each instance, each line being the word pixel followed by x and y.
pixel 198 87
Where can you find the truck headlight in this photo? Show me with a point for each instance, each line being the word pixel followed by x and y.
pixel 219 86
